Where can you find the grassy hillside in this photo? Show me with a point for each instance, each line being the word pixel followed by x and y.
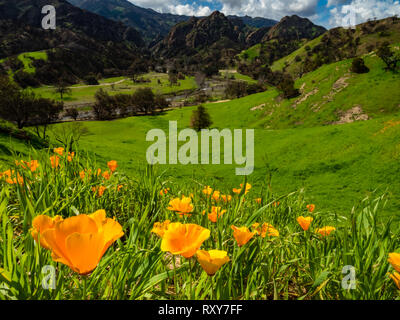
pixel 338 165
pixel 344 43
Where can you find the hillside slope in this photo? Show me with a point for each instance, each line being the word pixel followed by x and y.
pixel 82 43
pixel 153 25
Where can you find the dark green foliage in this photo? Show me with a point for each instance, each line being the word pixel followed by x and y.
pixel 200 119
pixel 25 79
pixel 238 89
pixel 390 58
pixel 286 86
pixel 91 80
pixel 358 66
pixel 24 108
pixel 104 107
pixel 144 100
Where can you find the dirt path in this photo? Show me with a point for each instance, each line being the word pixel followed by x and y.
pixel 100 85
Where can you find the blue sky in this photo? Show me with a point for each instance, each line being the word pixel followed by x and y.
pixel 329 13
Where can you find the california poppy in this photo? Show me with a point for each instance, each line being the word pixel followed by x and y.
pixel 40 224
pixel 211 261
pixel 266 229
pixel 304 222
pixel 112 165
pixel 100 190
pixel 184 239
pixel 396 278
pixel 242 235
pixel 59 151
pixel 215 195
pixel 164 191
pixel 207 190
pixel 259 200
pixel 226 198
pixel 237 191
pixel 310 207
pixel 80 241
pixel 182 206
pixel 325 231
pixel 71 156
pixel 394 260
pixel 215 214
pixel 159 228
pixel 55 161
pixel 106 175
pixel 33 165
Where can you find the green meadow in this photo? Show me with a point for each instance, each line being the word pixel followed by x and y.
pixel 81 93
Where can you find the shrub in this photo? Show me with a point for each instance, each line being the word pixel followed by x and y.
pixel 25 79
pixel 91 80
pixel 200 119
pixel 358 66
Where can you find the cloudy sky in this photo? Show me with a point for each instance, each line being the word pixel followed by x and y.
pixel 329 13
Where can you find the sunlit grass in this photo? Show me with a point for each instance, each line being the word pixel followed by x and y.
pixel 296 264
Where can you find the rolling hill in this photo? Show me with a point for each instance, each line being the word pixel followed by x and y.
pixel 154 26
pixel 82 43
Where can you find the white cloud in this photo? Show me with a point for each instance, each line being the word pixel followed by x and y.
pixel 190 10
pixel 173 6
pixel 362 10
pixel 274 9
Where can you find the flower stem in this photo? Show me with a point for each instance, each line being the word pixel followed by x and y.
pixel 84 287
pixel 190 280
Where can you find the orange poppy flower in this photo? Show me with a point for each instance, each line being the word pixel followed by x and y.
pixel 82 174
pixel 275 204
pixel 164 191
pixel 184 239
pixel 12 179
pixel 266 229
pixel 33 165
pixel 100 190
pixel 159 228
pixel 80 241
pixel 310 207
pixel 211 261
pixel 207 190
pixel 215 214
pixel 396 278
pixel 55 161
pixel 226 198
pixel 40 224
pixel 112 165
pixel 20 163
pixel 325 231
pixel 216 195
pixel 259 200
pixel 394 260
pixel 304 222
pixel 242 235
pixel 71 156
pixel 246 191
pixel 106 175
pixel 120 187
pixel 59 151
pixel 182 206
